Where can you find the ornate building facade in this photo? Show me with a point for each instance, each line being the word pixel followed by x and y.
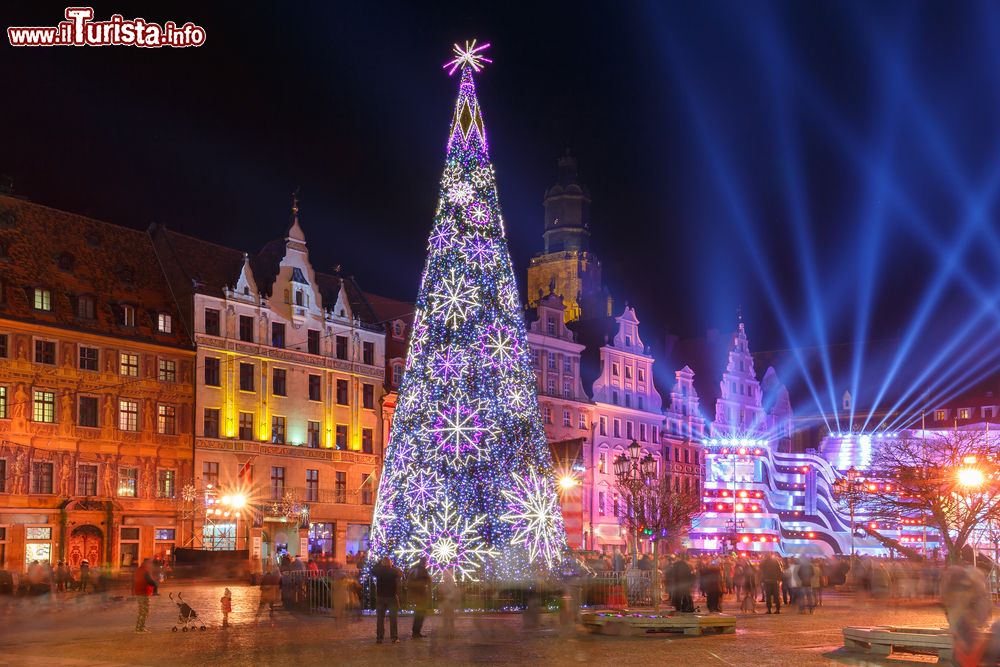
pixel 289 398
pixel 96 393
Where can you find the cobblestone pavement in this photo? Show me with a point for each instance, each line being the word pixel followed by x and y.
pixel 84 632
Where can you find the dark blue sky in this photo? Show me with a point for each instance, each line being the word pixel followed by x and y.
pixel 814 161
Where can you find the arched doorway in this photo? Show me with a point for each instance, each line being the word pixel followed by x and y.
pixel 85 542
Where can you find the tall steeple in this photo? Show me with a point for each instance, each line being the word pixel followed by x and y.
pixel 566 261
pixel 739 411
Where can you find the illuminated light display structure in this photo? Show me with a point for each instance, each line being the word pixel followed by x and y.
pixel 468 480
pixel 759 499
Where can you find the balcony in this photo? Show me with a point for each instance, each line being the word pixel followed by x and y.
pixel 322 496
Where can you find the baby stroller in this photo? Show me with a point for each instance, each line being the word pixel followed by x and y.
pixel 187 618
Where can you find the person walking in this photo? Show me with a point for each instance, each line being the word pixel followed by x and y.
pixel 270 592
pixel 84 575
pixel 770 575
pixel 683 580
pixel 805 572
pixel 418 594
pixel 143 586
pixel 387 578
pixel 711 583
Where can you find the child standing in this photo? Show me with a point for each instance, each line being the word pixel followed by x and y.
pixel 227 606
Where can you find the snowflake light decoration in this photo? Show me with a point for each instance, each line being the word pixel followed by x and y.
pixel 448 364
pixel 471 56
pixel 483 176
pixel 461 193
pixel 499 345
pixel 443 236
pixel 534 514
pixel 480 250
pixel 458 431
pixel 478 213
pixel 450 541
pixel 424 488
pixel 456 298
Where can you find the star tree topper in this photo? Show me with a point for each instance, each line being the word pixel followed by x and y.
pixel 471 55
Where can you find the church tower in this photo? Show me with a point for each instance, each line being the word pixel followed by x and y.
pixel 739 411
pixel 566 266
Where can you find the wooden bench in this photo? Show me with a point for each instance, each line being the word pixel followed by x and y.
pixel 635 622
pixel 884 640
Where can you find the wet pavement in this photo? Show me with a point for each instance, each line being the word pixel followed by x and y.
pixel 83 631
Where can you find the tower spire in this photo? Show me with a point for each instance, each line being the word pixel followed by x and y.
pixel 295 231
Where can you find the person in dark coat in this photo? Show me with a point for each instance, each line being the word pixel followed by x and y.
pixel 418 594
pixel 387 577
pixel 711 584
pixel 84 575
pixel 770 575
pixel 683 581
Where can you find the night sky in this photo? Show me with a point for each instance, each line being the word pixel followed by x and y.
pixel 831 166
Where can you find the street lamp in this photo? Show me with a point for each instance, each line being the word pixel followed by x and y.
pixel 850 487
pixel 637 473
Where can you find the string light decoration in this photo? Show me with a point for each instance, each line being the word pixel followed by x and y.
pixel 468 481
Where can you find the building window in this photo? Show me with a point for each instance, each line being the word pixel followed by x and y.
pixel 628 400
pixel 166 483
pixel 164 323
pixel 278 382
pixel 312 341
pixel 43 299
pixel 603 425
pixel 602 463
pixel 368 353
pixel 618 428
pixel 166 419
pixel 277 482
pixel 86 480
pixel 550 326
pixel 128 364
pixel 638 402
pixel 367 442
pixel 45 352
pixel 212 322
pixel 87 411
pixel 368 396
pixel 567 390
pixel 210 474
pixel 128 415
pixel 340 487
pixel 85 307
pixel 321 540
pixel 3 345
pixel 550 386
pixel 3 402
pixel 642 375
pixel 547 414
pixel 366 489
pixel 567 418
pixel 696 457
pixel 614 370
pixel 211 423
pixel 277 334
pixel 41 477
pixel 342 392
pixel 3 489
pixel 277 429
pixel 314 388
pixel 167 370
pixel 567 364
pixel 602 503
pixel 397 374
pixel 656 434
pixel 642 432
pixel 312 486
pixel 614 503
pixel 213 373
pixel 341 433
pixel 44 407
pixel 964 413
pixel 550 361
pixel 629 430
pixel 128 315
pixel 583 420
pixel 614 397
pixel 534 359
pixel 246 377
pixel 246 426
pixel 341 347
pixel 246 328
pixel 628 372
pixel 89 358
pixel 312 434
pixel 128 482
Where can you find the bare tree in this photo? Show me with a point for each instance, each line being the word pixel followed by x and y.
pixel 654 508
pixel 949 479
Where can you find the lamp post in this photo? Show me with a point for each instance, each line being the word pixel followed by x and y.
pixel 637 474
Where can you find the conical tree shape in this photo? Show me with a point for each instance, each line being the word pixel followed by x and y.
pixel 468 480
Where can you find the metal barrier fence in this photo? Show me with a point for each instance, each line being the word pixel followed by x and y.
pixel 340 592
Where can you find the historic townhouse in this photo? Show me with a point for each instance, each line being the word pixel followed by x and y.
pixel 95 393
pixel 291 366
pixel 566 410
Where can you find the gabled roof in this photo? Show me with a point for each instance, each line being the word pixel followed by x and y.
pixel 73 256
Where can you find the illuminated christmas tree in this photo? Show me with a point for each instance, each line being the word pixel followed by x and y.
pixel 468 478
